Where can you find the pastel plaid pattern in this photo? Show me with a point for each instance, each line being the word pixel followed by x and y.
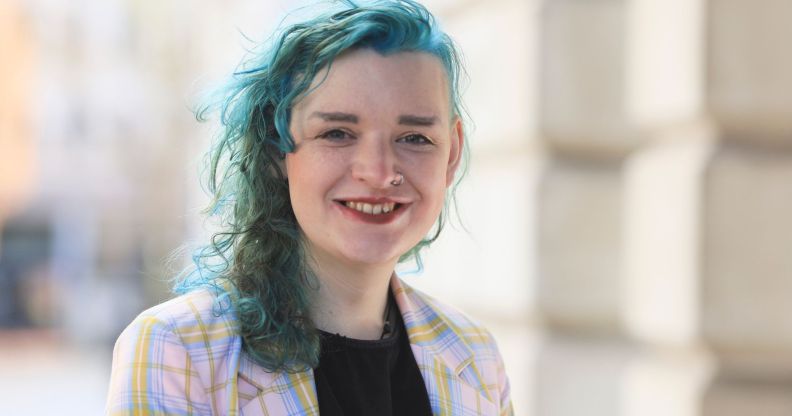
pixel 180 358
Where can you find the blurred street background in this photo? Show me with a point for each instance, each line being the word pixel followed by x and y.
pixel 626 231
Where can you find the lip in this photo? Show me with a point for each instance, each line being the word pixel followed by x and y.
pixel 373 200
pixel 356 215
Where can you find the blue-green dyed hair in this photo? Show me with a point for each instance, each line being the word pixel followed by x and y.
pixel 256 263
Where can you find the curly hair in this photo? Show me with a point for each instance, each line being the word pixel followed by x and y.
pixel 256 263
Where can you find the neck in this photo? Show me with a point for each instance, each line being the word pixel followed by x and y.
pixel 351 299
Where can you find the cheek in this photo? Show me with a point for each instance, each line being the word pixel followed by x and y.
pixel 310 177
pixel 433 190
pixel 430 175
pixel 300 181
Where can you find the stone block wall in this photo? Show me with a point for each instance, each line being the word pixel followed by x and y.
pixel 664 234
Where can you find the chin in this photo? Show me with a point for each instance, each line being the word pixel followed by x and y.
pixel 370 258
pixel 371 254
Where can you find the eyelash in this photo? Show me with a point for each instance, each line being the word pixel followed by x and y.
pixel 326 135
pixel 413 138
pixel 423 139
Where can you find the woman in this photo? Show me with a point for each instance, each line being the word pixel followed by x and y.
pixel 339 143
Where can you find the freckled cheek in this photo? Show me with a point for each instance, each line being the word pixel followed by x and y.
pixel 427 174
pixel 432 193
pixel 311 176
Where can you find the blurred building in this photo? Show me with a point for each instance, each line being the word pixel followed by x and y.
pixel 664 229
pixel 108 159
pixel 16 147
pixel 626 229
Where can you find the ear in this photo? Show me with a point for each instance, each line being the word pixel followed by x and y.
pixel 455 155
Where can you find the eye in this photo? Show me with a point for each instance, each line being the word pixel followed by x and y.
pixel 335 135
pixel 415 138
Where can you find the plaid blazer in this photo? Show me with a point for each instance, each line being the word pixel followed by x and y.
pixel 179 358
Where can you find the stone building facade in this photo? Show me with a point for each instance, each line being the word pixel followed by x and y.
pixel 664 235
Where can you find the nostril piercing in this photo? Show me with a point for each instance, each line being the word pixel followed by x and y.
pixel 398 180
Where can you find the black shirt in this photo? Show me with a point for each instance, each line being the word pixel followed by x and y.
pixel 362 378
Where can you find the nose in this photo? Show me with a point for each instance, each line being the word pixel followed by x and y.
pixel 374 162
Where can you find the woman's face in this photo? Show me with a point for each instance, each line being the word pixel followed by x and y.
pixel 371 117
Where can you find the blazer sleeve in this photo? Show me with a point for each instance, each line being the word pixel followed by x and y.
pixel 153 374
pixel 504 389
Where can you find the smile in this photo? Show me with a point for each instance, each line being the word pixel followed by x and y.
pixel 371 209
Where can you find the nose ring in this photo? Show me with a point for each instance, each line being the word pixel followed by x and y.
pixel 398 180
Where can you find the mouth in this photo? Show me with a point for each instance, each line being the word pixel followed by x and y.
pixel 371 208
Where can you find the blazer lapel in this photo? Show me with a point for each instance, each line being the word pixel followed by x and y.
pixel 453 382
pixel 279 393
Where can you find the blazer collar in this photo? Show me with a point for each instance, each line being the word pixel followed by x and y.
pixel 429 330
pixel 280 393
pixel 436 341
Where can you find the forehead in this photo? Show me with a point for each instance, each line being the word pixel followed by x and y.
pixel 366 80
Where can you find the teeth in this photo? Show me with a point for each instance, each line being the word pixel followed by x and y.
pixel 371 209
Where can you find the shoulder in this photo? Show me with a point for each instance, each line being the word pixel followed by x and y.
pixel 196 321
pixel 189 318
pixel 198 310
pixel 172 354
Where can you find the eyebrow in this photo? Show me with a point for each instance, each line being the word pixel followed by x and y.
pixel 411 120
pixel 406 119
pixel 344 117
